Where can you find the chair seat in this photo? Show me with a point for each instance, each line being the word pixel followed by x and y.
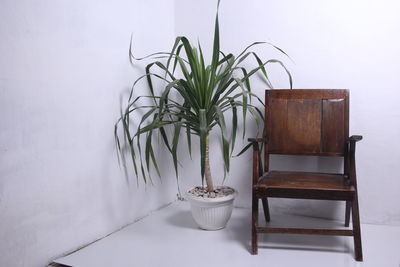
pixel 304 185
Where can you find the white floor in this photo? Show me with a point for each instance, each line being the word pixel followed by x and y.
pixel 169 237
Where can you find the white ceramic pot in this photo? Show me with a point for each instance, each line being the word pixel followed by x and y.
pixel 211 213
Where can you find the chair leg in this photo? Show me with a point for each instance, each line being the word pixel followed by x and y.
pixel 266 209
pixel 254 224
pixel 356 230
pixel 347 214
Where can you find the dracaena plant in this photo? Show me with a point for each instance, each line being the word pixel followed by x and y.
pixel 204 93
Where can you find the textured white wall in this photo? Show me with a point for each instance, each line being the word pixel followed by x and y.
pixel 334 44
pixel 63 67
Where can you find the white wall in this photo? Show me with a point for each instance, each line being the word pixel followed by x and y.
pixel 64 66
pixel 334 44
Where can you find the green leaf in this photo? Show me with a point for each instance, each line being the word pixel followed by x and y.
pixel 178 50
pixel 195 96
pixel 154 162
pixel 189 140
pixel 263 70
pixel 234 124
pixel 165 138
pixel 177 41
pixel 203 138
pixel 225 142
pixel 243 150
pixel 247 48
pixel 244 107
pixel 175 142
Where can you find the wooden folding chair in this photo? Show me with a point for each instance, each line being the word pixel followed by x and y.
pixel 310 123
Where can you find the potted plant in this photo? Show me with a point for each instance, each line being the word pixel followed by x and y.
pixel 203 93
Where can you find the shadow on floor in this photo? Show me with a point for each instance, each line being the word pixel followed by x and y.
pixel 182 219
pixel 240 231
pixel 304 243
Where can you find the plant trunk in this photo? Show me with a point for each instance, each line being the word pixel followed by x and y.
pixel 210 186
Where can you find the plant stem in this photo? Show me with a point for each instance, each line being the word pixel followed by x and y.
pixel 209 182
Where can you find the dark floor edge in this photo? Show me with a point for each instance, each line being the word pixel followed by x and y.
pixel 54 263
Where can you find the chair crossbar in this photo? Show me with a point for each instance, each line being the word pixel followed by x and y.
pixel 304 231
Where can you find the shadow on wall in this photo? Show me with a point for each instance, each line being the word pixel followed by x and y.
pixel 125 197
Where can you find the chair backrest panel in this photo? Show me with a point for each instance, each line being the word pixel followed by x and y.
pixel 307 122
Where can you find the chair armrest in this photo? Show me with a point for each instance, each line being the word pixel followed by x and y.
pixel 257 165
pixel 355 138
pixel 257 140
pixel 352 158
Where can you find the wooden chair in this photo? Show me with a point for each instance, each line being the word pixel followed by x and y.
pixel 311 123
